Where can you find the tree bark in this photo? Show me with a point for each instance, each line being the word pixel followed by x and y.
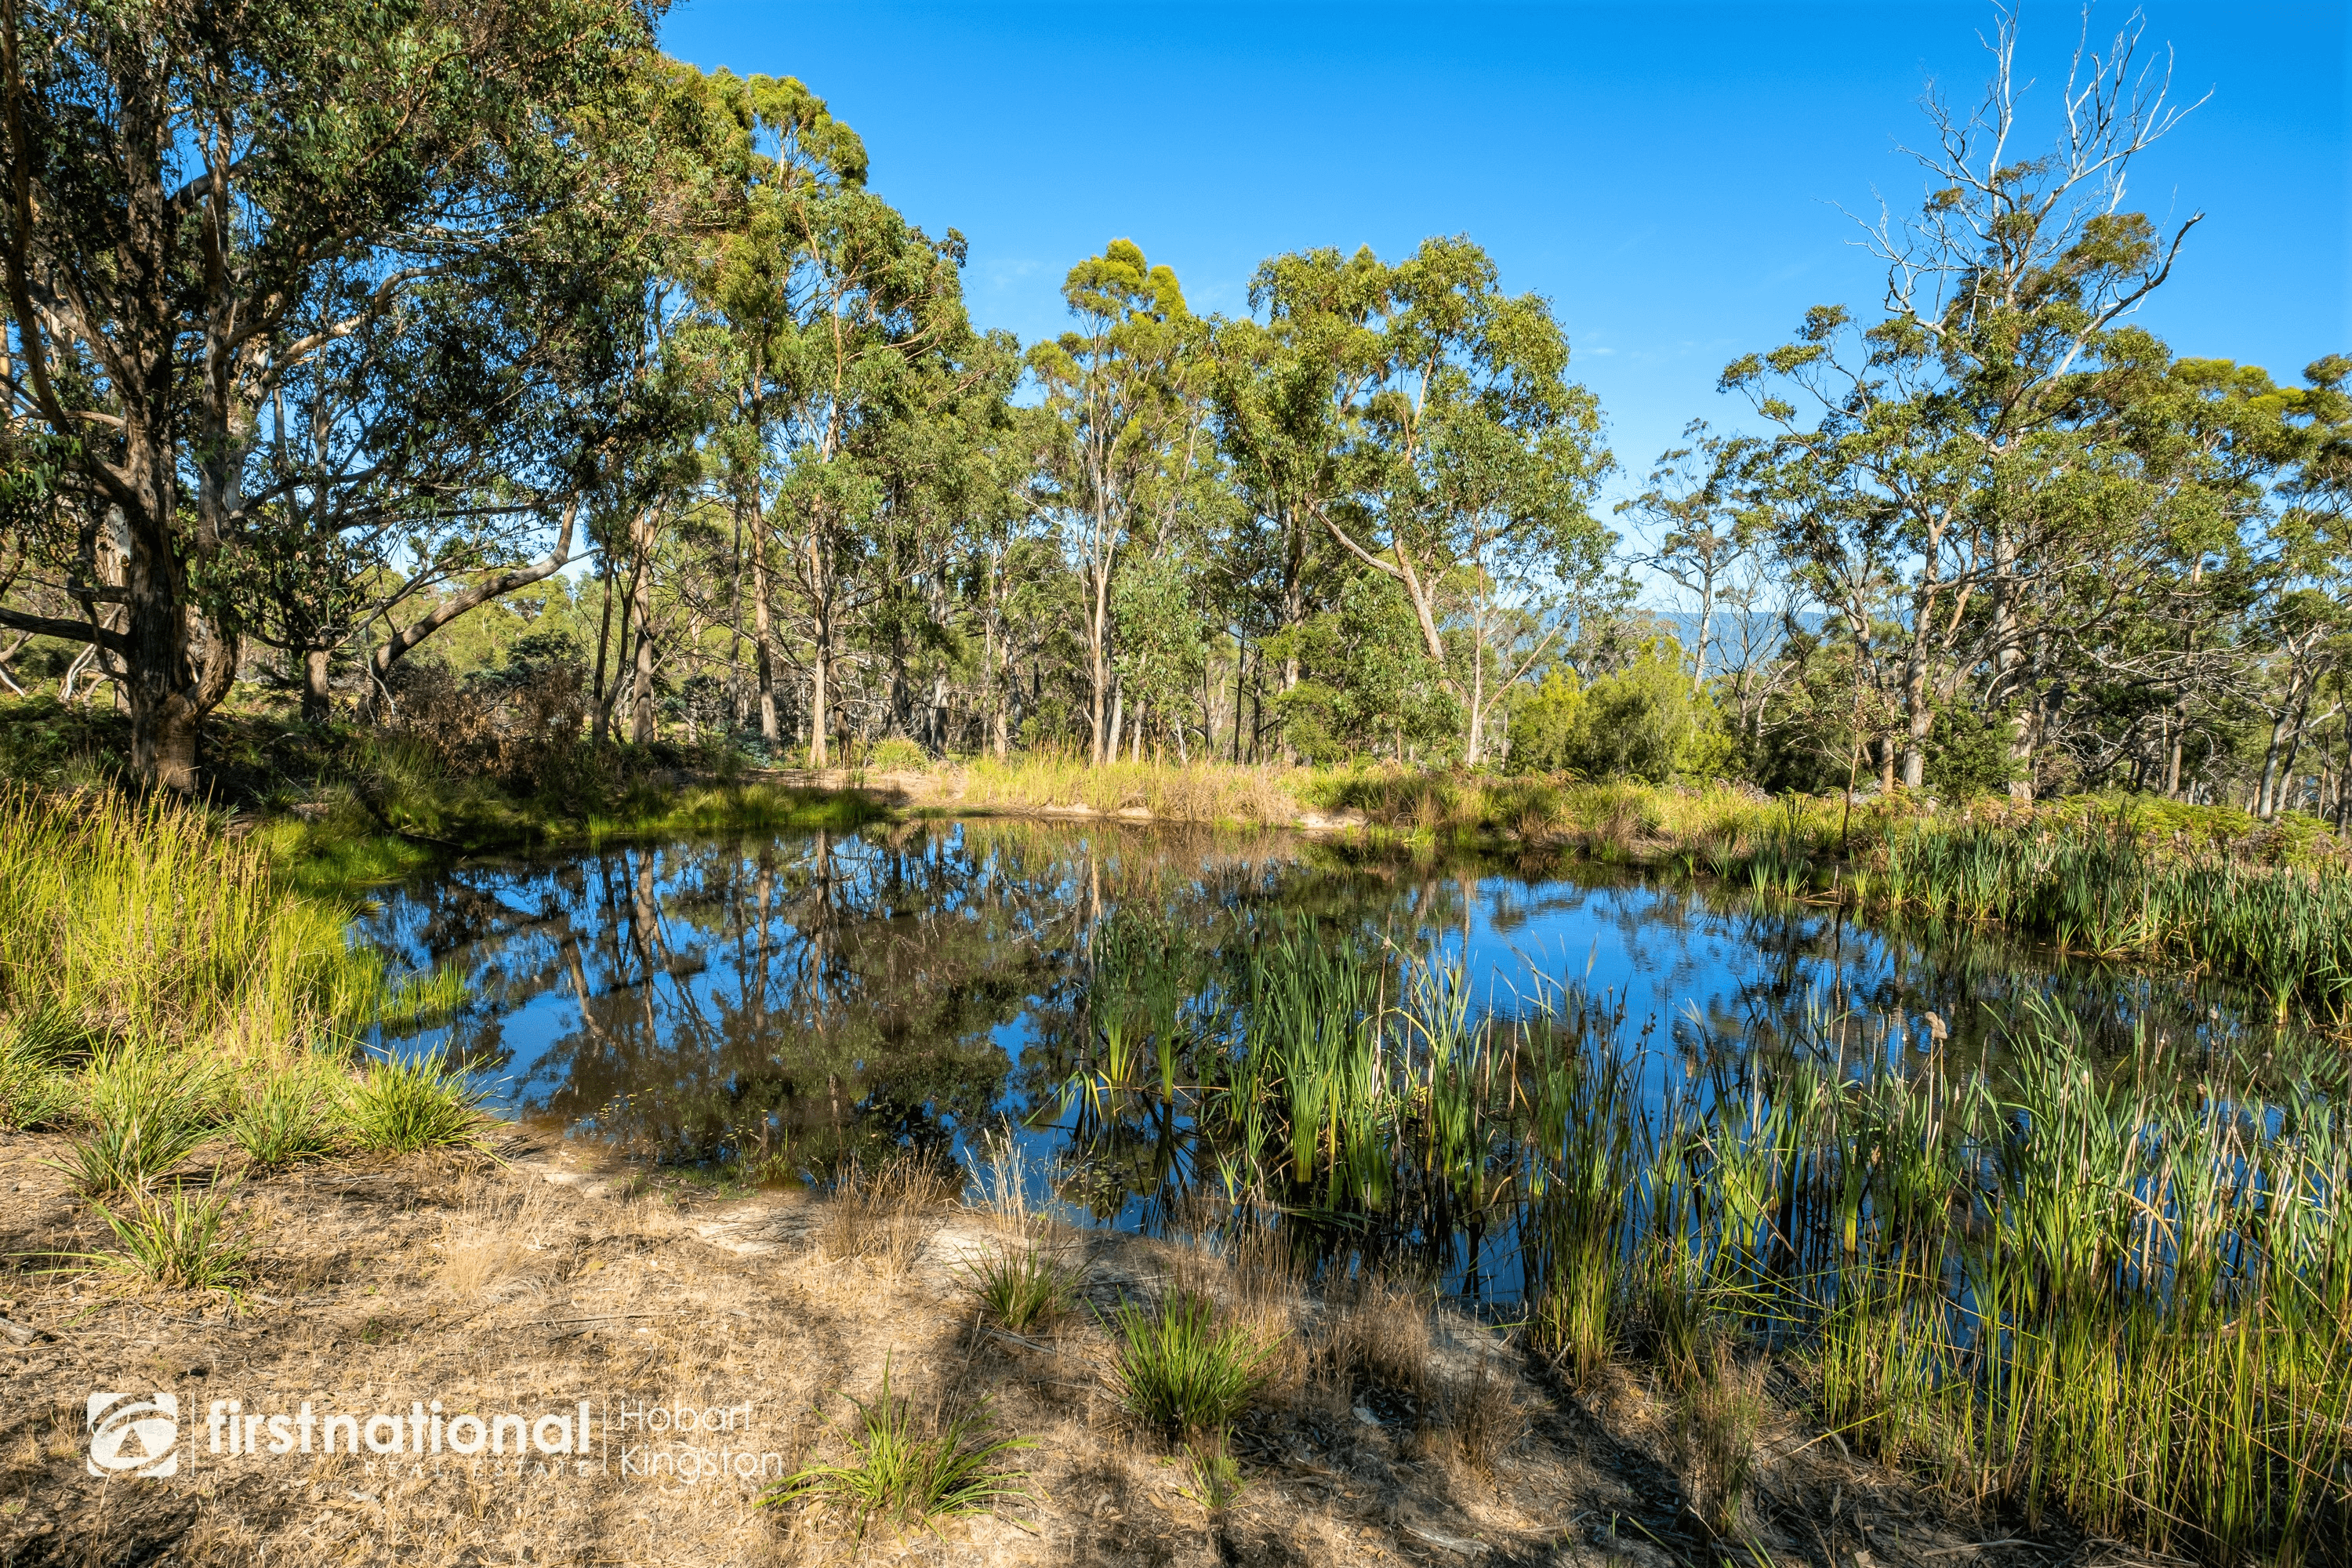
pixel 317 699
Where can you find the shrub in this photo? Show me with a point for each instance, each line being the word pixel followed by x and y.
pixel 897 754
pixel 908 1469
pixel 401 1105
pixel 1646 721
pixel 1178 1370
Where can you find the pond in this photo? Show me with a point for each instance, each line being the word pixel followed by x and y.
pixel 773 1007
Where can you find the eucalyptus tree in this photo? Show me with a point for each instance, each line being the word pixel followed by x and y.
pixel 775 140
pixel 1470 468
pixel 2303 624
pixel 1126 393
pixel 1968 441
pixel 201 202
pixel 1288 393
pixel 832 300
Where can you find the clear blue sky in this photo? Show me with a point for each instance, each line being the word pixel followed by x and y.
pixel 1668 174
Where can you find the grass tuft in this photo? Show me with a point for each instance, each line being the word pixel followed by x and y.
pixel 404 1104
pixel 1215 1474
pixel 1024 1289
pixel 911 1467
pixel 1180 1372
pixel 285 1116
pixel 146 1110
pixel 182 1242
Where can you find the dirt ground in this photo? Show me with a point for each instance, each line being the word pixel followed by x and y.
pixel 541 1280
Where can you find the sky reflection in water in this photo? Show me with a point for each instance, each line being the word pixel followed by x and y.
pixel 788 1000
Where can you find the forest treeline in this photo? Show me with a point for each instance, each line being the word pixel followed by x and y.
pixel 397 356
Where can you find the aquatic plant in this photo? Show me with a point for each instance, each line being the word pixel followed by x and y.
pixel 2104 886
pixel 2057 1285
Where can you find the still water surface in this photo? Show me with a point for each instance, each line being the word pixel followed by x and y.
pixel 779 1004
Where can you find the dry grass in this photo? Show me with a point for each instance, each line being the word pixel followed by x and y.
pixel 1716 1422
pixel 1484 1419
pixel 493 1231
pixel 887 1214
pixel 492 1286
pixel 1202 792
pixel 1377 1337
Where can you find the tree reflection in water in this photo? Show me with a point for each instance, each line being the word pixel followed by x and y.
pixel 784 1003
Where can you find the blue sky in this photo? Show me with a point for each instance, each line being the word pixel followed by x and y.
pixel 1668 174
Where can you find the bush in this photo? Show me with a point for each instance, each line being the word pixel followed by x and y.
pixel 897 754
pixel 1967 753
pixel 1646 721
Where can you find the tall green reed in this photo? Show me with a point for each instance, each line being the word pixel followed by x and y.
pixel 2051 1283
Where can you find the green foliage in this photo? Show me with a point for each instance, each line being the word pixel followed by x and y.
pixel 897 754
pixel 906 1467
pixel 2108 885
pixel 146 1109
pixel 402 1104
pixel 182 1242
pixel 1364 680
pixel 1178 1370
pixel 1024 1289
pixel 1215 1474
pixel 1969 753
pixel 286 1116
pixel 36 1091
pixel 1646 721
pixel 1162 648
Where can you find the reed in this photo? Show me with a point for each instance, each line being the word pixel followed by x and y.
pixel 149 923
pixel 1201 792
pixel 2111 887
pixel 2110 1291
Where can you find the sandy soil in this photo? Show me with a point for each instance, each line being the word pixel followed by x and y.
pixel 541 1280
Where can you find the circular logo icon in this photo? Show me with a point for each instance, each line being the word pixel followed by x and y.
pixel 135 1434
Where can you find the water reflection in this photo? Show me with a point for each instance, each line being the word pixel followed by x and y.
pixel 788 1002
